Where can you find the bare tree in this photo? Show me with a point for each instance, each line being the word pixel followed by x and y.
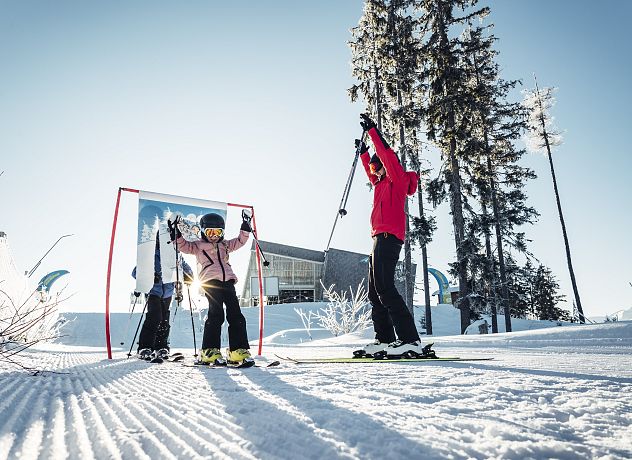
pixel 542 137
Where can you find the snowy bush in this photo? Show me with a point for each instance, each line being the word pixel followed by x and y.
pixel 342 316
pixel 306 319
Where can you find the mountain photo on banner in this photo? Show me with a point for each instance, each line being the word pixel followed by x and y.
pixel 154 210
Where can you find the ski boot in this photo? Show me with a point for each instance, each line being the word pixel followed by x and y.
pixel 239 358
pixel 156 357
pixel 399 349
pixel 370 349
pixel 144 353
pixel 163 353
pixel 212 357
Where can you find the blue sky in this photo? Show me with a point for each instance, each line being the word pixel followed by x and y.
pixel 246 102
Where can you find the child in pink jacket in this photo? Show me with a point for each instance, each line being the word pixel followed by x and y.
pixel 218 281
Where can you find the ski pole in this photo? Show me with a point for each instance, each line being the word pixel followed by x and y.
pixel 138 327
pixel 192 323
pixel 178 285
pixel 129 320
pixel 345 194
pixel 265 262
pixel 245 215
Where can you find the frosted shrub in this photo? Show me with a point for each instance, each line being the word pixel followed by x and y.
pixel 306 319
pixel 342 316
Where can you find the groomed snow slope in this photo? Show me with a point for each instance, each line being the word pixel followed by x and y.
pixel 563 392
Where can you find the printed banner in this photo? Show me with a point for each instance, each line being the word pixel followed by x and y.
pixel 154 209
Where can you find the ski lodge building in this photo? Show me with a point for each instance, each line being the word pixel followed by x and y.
pixel 295 274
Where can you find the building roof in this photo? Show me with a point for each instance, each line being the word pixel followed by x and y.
pixel 290 251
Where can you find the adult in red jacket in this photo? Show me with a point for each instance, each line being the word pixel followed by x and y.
pixel 395 331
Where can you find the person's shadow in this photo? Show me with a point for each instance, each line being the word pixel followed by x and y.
pixel 280 421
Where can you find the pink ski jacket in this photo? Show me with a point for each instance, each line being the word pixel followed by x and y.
pixel 389 195
pixel 212 258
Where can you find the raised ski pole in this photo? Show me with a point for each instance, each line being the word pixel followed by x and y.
pixel 246 216
pixel 345 194
pixel 192 323
pixel 137 328
pixel 178 285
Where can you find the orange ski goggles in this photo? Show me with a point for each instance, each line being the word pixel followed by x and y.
pixel 375 167
pixel 209 232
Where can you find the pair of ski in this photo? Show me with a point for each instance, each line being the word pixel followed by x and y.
pixel 174 358
pixel 223 364
pixel 179 358
pixel 427 355
pixel 376 361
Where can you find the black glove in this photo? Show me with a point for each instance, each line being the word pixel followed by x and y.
pixel 246 218
pixel 364 147
pixel 366 122
pixel 245 226
pixel 136 294
pixel 174 231
pixel 157 278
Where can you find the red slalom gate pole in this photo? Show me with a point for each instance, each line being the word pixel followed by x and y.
pixel 261 301
pixel 257 249
pixel 107 284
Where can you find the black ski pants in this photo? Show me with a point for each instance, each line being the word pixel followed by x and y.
pixel 219 293
pixel 155 331
pixel 390 314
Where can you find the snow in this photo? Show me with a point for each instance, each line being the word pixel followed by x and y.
pixel 557 392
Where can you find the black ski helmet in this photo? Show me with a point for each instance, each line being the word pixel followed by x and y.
pixel 211 220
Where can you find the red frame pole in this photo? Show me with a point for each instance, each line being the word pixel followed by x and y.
pixel 261 301
pixel 107 284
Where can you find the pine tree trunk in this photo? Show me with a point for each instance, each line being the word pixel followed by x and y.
pixel 378 105
pixel 409 281
pixel 578 302
pixel 458 222
pixel 491 272
pixel 456 203
pixel 501 256
pixel 424 261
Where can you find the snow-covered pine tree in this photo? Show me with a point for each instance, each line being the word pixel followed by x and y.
pixel 518 287
pixel 545 296
pixel 367 63
pixel 543 136
pixel 384 60
pixel 495 124
pixel 445 83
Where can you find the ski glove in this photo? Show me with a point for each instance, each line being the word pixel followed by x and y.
pixel 363 148
pixel 366 122
pixel 174 231
pixel 246 218
pixel 136 294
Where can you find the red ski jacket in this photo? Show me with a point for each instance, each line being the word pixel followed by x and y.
pixel 390 192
